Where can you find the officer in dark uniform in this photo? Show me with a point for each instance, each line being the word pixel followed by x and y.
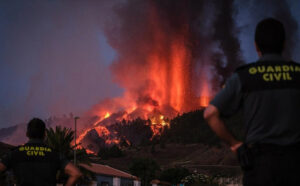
pixel 35 163
pixel 268 92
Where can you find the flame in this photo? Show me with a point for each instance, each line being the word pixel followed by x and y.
pixel 179 58
pixel 97 128
pixel 90 152
pixel 158 122
pixel 102 131
pixel 166 82
pixel 107 115
pixel 204 94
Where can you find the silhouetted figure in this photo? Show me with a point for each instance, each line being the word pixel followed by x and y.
pixel 35 163
pixel 268 92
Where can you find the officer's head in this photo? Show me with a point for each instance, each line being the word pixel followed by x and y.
pixel 269 36
pixel 36 129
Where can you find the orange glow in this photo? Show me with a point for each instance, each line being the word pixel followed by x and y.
pixel 102 131
pixel 90 152
pixel 165 85
pixel 107 115
pixel 177 86
pixel 204 101
pixel 112 141
pixel 157 124
pixel 82 135
pixel 204 94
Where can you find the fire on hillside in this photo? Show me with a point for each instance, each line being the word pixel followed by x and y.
pixel 166 82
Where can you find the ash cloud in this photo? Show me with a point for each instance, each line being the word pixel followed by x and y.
pixel 226 34
pixel 210 38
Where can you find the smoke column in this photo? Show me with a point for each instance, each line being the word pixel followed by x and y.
pixel 168 51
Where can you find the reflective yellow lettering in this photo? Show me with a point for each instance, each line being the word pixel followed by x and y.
pixel 271 77
pixel 270 69
pixel 277 76
pixel 252 70
pixel 36 153
pixel 266 77
pixel 41 153
pixel 297 69
pixel 285 68
pixel 292 68
pixel 49 150
pixel 28 153
pixel 278 68
pixel 42 148
pixel 261 69
pixel 31 148
pixel 21 149
pixel 288 76
pixel 26 148
pixel 37 148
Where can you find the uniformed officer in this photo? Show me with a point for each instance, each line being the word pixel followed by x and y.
pixel 268 92
pixel 35 163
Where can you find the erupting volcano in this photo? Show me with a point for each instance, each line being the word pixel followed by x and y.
pixel 165 63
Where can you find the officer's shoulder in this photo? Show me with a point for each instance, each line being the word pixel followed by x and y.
pixel 295 63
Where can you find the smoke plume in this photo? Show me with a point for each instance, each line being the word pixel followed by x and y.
pixel 168 51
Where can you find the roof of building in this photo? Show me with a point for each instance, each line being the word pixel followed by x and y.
pixel 107 170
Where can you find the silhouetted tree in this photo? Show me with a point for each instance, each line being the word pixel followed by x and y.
pixel 60 140
pixel 145 169
pixel 174 175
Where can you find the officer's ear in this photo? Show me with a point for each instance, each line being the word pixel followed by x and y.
pixel 257 50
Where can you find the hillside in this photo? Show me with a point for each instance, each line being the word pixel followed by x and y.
pixel 189 143
pixel 203 158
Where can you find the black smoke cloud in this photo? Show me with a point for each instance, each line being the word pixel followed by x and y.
pixel 211 39
pixel 226 33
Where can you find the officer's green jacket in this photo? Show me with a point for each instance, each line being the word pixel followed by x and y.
pixel 268 92
pixel 35 164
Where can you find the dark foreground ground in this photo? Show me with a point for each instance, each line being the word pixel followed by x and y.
pixel 195 157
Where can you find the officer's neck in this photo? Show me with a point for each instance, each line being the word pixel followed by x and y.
pixel 271 57
pixel 35 140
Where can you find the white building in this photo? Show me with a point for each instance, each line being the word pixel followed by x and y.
pixel 108 176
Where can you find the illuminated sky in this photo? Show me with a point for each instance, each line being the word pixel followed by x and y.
pixel 54 57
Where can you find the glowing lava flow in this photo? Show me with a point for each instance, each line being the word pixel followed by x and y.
pixel 159 77
pixel 107 115
pixel 101 130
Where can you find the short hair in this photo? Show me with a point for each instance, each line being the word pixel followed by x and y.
pixel 270 36
pixel 36 129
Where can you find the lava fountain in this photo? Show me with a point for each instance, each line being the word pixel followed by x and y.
pixel 160 47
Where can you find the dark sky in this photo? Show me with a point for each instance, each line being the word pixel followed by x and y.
pixel 54 57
